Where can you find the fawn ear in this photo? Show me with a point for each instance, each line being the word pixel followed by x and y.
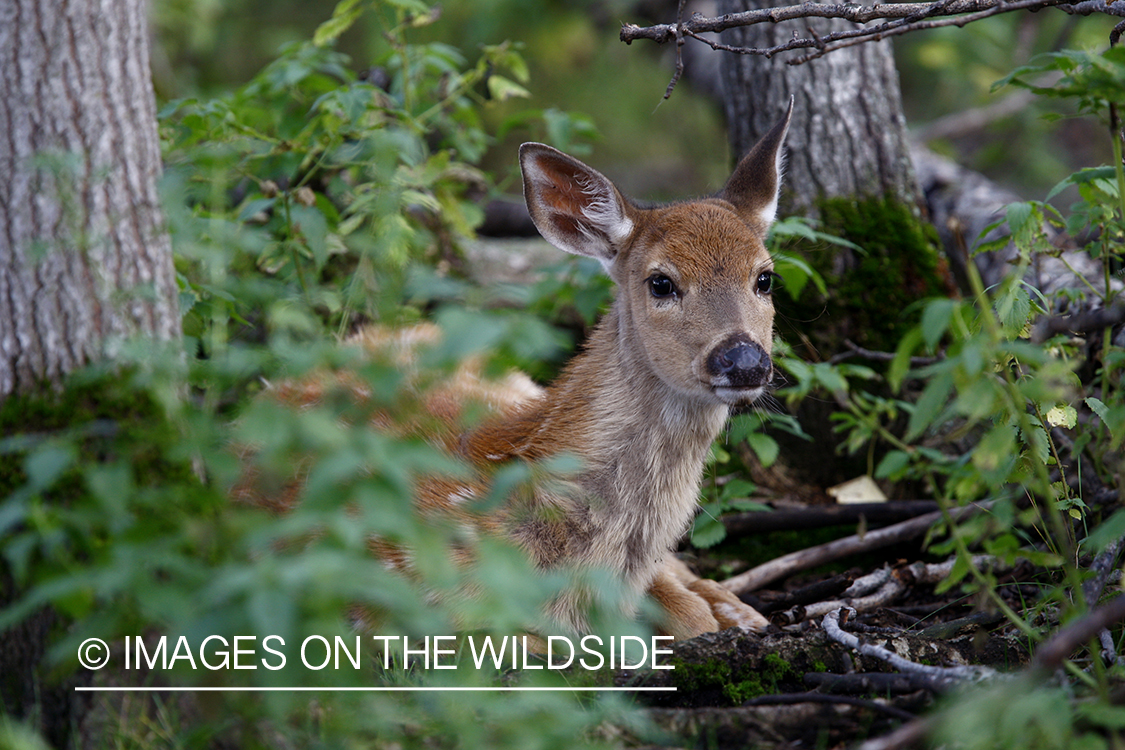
pixel 754 186
pixel 574 207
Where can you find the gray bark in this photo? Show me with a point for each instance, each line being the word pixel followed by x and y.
pixel 848 136
pixel 85 260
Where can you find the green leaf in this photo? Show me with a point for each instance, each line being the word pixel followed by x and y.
pixel 1083 176
pixel 344 15
pixel 707 531
pixel 929 405
pixel 1109 531
pixel 892 465
pixel 956 574
pixel 1062 415
pixel 900 364
pixel 750 506
pixel 502 89
pixel 765 447
pixel 312 226
pixel 935 320
pixel 47 464
pixel 1018 216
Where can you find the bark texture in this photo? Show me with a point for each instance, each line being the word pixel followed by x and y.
pixel 848 136
pixel 84 256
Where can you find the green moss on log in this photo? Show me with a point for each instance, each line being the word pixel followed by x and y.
pixel 870 293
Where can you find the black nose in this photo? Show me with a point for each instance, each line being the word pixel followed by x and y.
pixel 740 362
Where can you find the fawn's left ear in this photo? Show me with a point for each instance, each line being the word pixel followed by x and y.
pixel 753 188
pixel 573 206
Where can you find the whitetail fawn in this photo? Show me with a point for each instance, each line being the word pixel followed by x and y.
pixel 688 337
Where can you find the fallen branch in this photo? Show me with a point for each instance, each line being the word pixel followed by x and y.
pixel 1062 644
pixel 787 565
pixel 945 676
pixel 814 592
pixel 792 699
pixel 819 516
pixel 1083 322
pixel 909 735
pixel 872 683
pixel 881 588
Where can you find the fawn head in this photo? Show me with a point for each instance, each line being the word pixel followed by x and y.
pixel 694 278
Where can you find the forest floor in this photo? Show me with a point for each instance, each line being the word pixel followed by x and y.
pixel 853 656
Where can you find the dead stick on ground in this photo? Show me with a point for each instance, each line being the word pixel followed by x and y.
pixel 1051 654
pixel 787 565
pixel 948 676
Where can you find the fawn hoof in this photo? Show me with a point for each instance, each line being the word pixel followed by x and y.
pixel 728 610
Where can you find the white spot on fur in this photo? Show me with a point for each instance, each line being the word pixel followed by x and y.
pixel 461 496
pixel 743 617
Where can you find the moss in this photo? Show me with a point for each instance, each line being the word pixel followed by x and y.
pixel 104 416
pixel 869 291
pixel 717 677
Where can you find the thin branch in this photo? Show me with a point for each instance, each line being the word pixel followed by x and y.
pixel 899 18
pixel 1051 654
pixel 947 675
pixel 881 588
pixel 793 562
pixel 1088 321
pixel 793 699
pixel 854 350
pixel 909 735
pixel 679 51
pixel 819 516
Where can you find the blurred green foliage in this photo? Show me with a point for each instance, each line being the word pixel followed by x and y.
pixel 332 189
pixel 301 204
pixel 571 51
pixel 947 72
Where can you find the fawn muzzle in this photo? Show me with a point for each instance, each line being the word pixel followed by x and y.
pixel 739 363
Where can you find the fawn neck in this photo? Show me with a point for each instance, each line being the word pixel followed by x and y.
pixel 642 445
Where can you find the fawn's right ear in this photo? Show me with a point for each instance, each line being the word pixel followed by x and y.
pixel 574 207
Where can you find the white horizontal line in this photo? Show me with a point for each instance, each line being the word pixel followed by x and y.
pixel 303 689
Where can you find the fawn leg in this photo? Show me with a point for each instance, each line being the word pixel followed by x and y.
pixel 727 610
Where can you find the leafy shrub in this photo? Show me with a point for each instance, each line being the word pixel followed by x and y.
pixel 307 202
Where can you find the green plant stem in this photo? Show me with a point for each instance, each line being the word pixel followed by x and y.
pixel 1119 170
pixel 291 242
pixel 1059 527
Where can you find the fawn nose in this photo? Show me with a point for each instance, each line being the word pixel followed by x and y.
pixel 740 362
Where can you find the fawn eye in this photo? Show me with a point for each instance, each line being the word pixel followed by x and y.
pixel 661 287
pixel 764 284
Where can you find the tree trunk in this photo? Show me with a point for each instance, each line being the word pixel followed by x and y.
pixel 85 260
pixel 848 165
pixel 848 136
pixel 84 257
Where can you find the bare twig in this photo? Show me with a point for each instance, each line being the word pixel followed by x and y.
pixel 818 516
pixel 679 50
pixel 898 18
pixel 1105 562
pixel 891 588
pixel 855 350
pixel 907 736
pixel 881 588
pixel 949 676
pixel 790 699
pixel 1051 654
pixel 786 565
pixel 1083 322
